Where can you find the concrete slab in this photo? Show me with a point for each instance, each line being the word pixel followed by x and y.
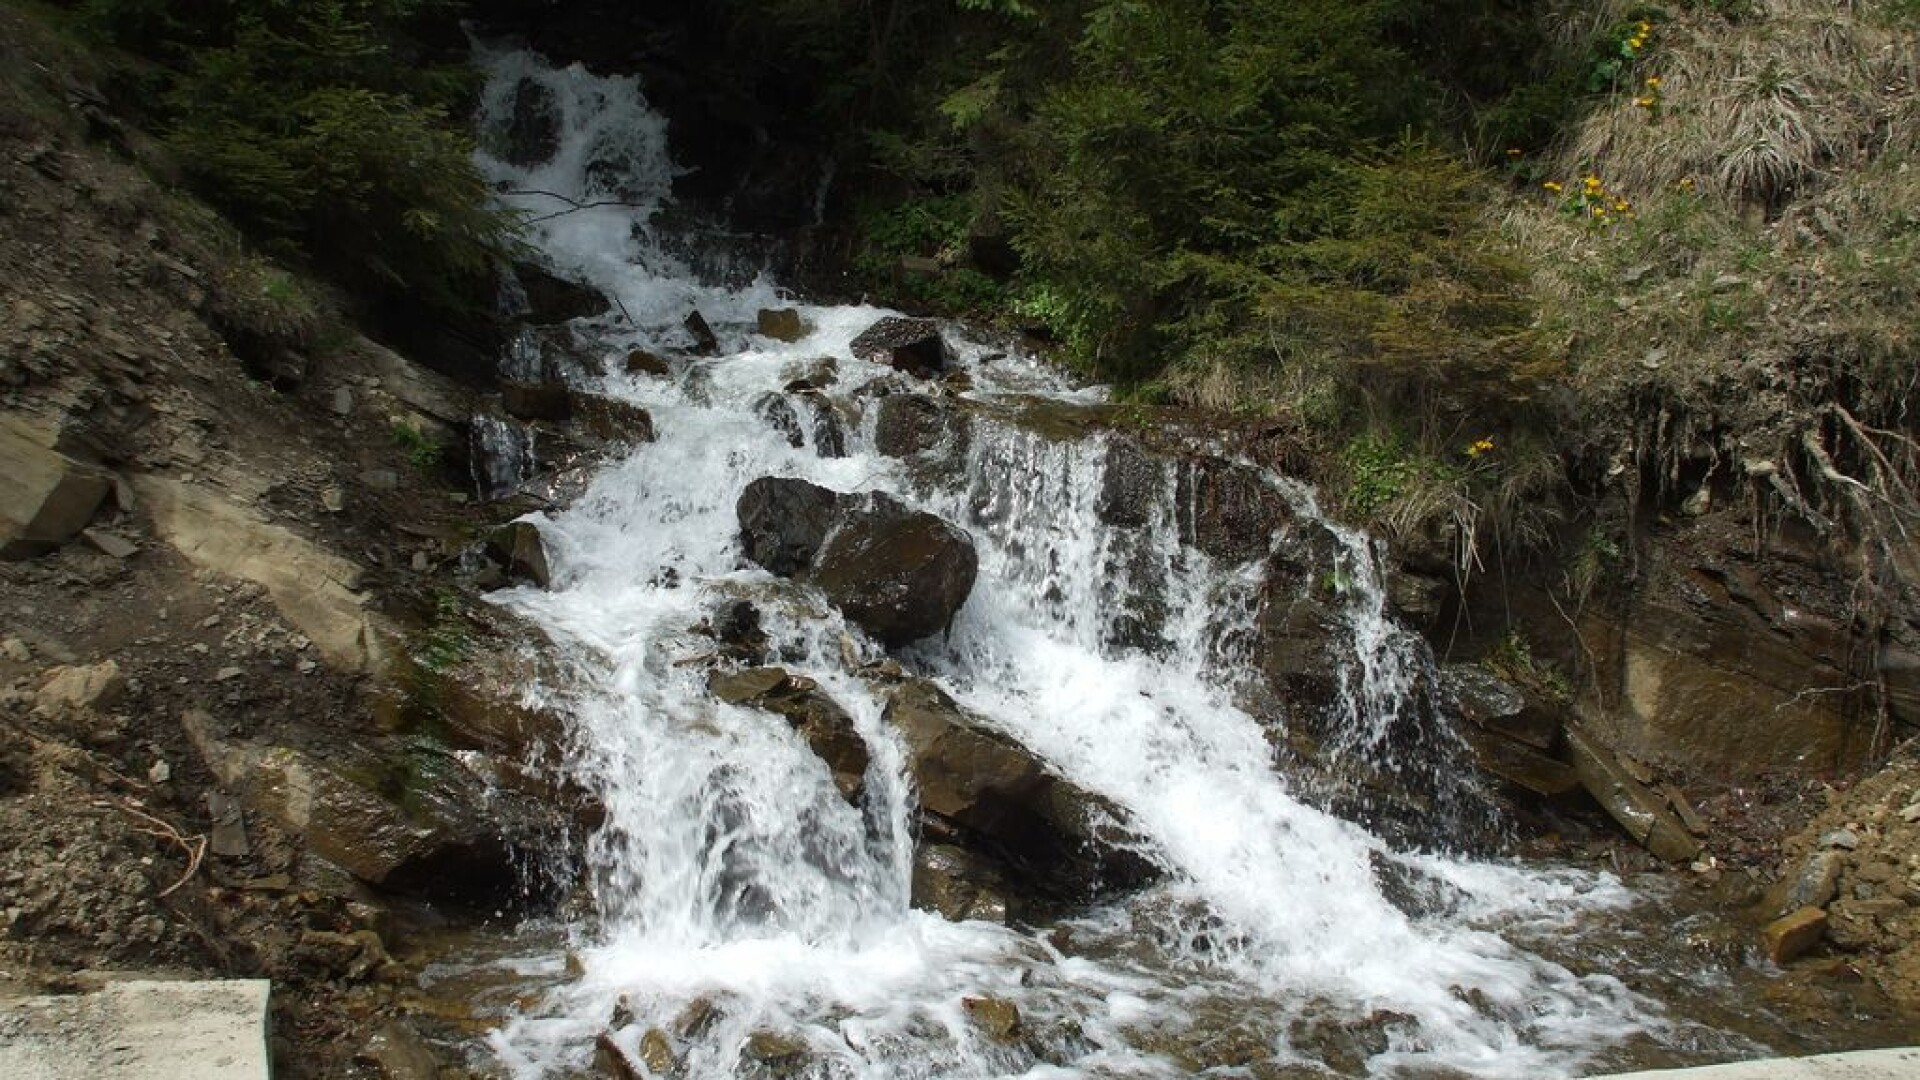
pixel 1900 1063
pixel 139 1031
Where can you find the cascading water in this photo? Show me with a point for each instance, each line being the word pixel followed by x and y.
pixel 750 918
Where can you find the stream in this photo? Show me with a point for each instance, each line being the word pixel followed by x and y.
pixel 746 920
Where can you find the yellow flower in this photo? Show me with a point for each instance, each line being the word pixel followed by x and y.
pixel 1552 185
pixel 1479 446
pixel 1644 102
pixel 1653 81
pixel 1593 183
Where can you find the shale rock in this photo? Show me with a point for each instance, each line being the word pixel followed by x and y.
pixel 1637 808
pixel 910 345
pixel 1227 510
pixel 45 497
pixel 518 548
pixel 959 884
pixel 1300 621
pixel 549 402
pixel 1130 486
pixel 908 425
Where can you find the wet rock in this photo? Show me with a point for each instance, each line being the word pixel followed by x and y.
pixel 812 375
pixel 827 727
pixel 354 956
pixel 1131 486
pixel 783 522
pixel 1790 936
pixel 611 1061
pixel 907 425
pixel 914 346
pixel 610 419
pixel 1346 1046
pixel 76 689
pixel 642 362
pixel 782 324
pixel 1299 623
pixel 1519 764
pixel 405 819
pixel 1226 509
pixel 1416 598
pixel 546 402
pixel 705 343
pixel 519 549
pixel 45 496
pixel 656 1053
pixel 1487 701
pixel 774 1055
pixel 1054 834
pixel 899 574
pixel 959 884
pixel 552 299
pixel 397 1052
pixel 778 414
pixel 533 134
pixel 829 434
pixel 736 624
pixel 1641 812
pixel 997 1018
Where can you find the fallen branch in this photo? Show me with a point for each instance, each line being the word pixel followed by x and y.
pixel 573 205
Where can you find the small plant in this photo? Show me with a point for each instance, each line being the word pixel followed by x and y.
pixel 1380 472
pixel 423 453
pixel 446 640
pixel 1512 659
pixel 1616 57
pixel 1591 200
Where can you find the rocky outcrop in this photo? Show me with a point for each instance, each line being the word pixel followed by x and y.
pixel 520 551
pixel 314 590
pixel 913 425
pixel 897 573
pixel 1226 509
pixel 1052 835
pixel 1300 619
pixel 45 497
pixel 910 345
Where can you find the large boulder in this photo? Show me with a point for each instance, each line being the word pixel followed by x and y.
pixel 910 345
pixel 783 522
pixel 45 496
pixel 406 820
pixel 983 787
pixel 899 574
pixel 909 425
pixel 552 299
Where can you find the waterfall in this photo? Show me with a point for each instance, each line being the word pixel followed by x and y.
pixel 744 909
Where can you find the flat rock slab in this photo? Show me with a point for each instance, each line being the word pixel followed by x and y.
pixel 1900 1063
pixel 139 1031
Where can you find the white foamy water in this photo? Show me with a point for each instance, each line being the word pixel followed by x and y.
pixel 731 872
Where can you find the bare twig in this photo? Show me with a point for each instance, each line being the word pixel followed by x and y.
pixel 573 205
pixel 194 846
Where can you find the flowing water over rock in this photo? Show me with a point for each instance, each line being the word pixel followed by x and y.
pixel 752 919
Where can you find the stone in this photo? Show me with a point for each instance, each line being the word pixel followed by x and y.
pixel 16 650
pixel 782 324
pixel 1519 764
pixel 656 1053
pixel 341 403
pixel 1790 936
pixel 611 1061
pixel 705 342
pixel 552 299
pixel 352 956
pixel 899 574
pixel 826 726
pixel 1227 509
pixel 959 884
pixel 45 497
pixel 1056 835
pixel 397 1052
pixel 1132 485
pixel 1840 839
pixel 829 433
pixel 736 624
pixel 537 401
pixel 227 836
pixel 783 522
pixel 914 346
pixel 610 419
pixel 642 362
pixel 111 544
pixel 778 1055
pixel 380 480
pixel 1487 701
pixel 533 133
pixel 778 413
pixel 521 551
pixel 404 819
pixel 1299 624
pixel 1639 810
pixel 908 425
pixel 313 589
pixel 997 1018
pixel 75 689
